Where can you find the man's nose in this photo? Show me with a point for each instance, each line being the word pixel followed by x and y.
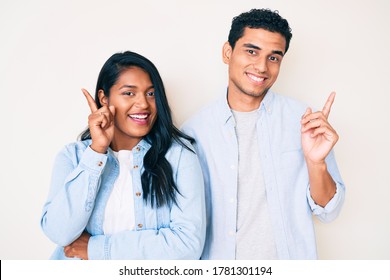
pixel 261 65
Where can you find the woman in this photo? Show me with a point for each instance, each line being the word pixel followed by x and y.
pixel 132 188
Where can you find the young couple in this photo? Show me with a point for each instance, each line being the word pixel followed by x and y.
pixel 241 180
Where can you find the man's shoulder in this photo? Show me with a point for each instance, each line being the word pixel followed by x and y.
pixel 207 114
pixel 288 100
pixel 288 104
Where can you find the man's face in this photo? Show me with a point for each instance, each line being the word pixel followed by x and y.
pixel 254 62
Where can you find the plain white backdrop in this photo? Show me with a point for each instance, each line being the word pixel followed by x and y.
pixel 51 49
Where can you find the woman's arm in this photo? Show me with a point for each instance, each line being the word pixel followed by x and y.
pixel 74 185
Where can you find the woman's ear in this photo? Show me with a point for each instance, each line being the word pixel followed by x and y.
pixel 102 98
pixel 226 52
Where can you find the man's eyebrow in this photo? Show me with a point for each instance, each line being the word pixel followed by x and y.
pixel 251 46
pixel 278 52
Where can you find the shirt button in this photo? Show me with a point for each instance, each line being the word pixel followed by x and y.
pixel 137 149
pixel 232 167
pixel 138 194
pixel 140 225
pixel 100 163
pixel 231 200
pixel 135 166
pixel 231 233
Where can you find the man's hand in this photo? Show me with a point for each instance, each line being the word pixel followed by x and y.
pixel 317 135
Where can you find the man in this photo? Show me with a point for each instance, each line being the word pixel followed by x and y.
pixel 267 160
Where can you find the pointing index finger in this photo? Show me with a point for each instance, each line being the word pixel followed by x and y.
pixel 328 104
pixel 91 102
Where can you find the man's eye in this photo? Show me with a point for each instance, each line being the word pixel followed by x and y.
pixel 274 58
pixel 251 52
pixel 128 93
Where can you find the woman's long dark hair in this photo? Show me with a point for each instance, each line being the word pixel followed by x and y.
pixel 158 185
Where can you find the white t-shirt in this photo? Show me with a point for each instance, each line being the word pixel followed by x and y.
pixel 119 212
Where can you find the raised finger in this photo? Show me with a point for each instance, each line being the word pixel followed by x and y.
pixel 91 102
pixel 328 104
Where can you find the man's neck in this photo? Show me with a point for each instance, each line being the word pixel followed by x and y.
pixel 244 103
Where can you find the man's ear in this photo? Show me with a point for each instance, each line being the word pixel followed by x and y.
pixel 102 98
pixel 226 52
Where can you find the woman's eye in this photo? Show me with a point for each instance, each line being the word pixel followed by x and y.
pixel 150 93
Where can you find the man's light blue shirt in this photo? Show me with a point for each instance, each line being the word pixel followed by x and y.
pixel 82 182
pixel 284 170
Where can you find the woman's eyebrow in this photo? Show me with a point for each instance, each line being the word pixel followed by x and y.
pixel 127 86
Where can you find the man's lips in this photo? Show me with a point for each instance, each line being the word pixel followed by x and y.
pixel 255 78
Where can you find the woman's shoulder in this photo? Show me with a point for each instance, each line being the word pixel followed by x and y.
pixel 75 148
pixel 78 145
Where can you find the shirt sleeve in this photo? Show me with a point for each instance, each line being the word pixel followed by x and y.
pixel 72 194
pixel 333 207
pixel 183 238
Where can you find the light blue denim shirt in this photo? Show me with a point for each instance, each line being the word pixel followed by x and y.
pixel 82 181
pixel 284 170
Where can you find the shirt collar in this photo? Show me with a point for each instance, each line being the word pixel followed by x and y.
pixel 142 145
pixel 226 114
pixel 267 102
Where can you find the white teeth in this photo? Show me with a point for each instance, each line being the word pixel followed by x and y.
pixel 257 79
pixel 139 116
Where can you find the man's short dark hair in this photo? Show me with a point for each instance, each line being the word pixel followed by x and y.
pixel 259 18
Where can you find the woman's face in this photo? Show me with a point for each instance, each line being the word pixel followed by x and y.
pixel 135 107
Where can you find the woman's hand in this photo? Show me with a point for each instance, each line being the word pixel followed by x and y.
pixel 78 248
pixel 101 124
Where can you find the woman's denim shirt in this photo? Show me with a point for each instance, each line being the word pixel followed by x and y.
pixel 81 184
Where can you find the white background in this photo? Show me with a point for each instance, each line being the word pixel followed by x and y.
pixel 50 49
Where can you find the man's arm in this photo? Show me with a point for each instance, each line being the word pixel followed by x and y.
pixel 318 138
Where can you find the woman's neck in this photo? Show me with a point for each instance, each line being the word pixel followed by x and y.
pixel 124 143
